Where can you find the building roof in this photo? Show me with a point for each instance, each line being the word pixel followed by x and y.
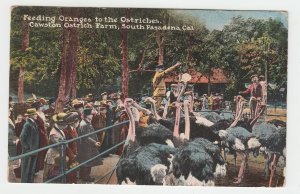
pixel 218 77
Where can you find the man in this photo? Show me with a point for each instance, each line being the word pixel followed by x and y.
pixel 43 136
pixel 159 86
pixel 88 146
pixel 30 141
pixel 255 91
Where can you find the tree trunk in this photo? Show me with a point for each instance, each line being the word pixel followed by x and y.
pixel 125 78
pixel 24 46
pixel 161 46
pixel 72 57
pixel 160 40
pixel 61 98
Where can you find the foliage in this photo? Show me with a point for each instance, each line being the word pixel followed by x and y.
pixel 241 48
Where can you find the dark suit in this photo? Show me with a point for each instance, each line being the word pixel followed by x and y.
pixel 30 141
pixel 87 148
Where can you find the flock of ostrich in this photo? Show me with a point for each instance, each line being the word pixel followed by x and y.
pixel 191 148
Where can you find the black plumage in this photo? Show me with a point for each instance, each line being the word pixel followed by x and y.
pixel 153 133
pixel 197 158
pixel 274 139
pixel 198 130
pixel 140 165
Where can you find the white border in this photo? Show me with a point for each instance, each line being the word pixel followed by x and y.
pixel 293 165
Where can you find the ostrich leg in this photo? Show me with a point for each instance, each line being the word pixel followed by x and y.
pixel 235 157
pixel 273 168
pixel 242 168
pixel 267 163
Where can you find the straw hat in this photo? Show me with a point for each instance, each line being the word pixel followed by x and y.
pixel 30 112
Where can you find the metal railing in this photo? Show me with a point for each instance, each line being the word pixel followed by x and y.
pixel 63 144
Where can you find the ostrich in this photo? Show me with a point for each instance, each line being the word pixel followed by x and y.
pixel 242 142
pixel 200 127
pixel 274 141
pixel 197 162
pixel 142 165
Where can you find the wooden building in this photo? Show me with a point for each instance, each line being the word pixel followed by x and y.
pixel 218 81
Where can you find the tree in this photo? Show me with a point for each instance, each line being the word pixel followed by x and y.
pixel 124 45
pixel 68 63
pixel 24 46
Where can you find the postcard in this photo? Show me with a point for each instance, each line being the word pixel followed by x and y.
pixel 141 96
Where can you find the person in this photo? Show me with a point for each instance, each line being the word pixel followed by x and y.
pixel 55 170
pixel 197 105
pixel 43 136
pixel 109 121
pixel 29 138
pixel 171 97
pixel 88 146
pixel 56 135
pixel 210 102
pixel 204 102
pixel 255 91
pixel 216 101
pixel 19 124
pixel 72 121
pixel 99 119
pixel 263 84
pixel 12 149
pixel 90 98
pixel 103 97
pixel 159 86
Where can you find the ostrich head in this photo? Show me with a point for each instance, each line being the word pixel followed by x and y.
pixel 223 134
pixel 131 130
pixel 158 173
pixel 149 100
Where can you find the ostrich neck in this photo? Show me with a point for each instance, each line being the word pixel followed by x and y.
pixel 131 129
pixel 177 119
pixel 238 114
pixel 187 129
pixel 154 111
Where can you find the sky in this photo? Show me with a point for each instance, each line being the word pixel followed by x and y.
pixel 216 19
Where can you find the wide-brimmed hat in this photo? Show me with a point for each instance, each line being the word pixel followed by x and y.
pixel 254 75
pixel 43 101
pixel 90 95
pixel 59 118
pixel 30 100
pixel 71 117
pixel 104 93
pixel 30 112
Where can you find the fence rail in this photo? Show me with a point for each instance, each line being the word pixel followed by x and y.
pixel 63 144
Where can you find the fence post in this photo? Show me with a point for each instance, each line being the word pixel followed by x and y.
pixel 63 160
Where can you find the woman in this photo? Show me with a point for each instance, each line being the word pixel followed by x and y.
pixel 72 120
pixel 56 135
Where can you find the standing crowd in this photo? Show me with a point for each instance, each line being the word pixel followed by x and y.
pixel 39 126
